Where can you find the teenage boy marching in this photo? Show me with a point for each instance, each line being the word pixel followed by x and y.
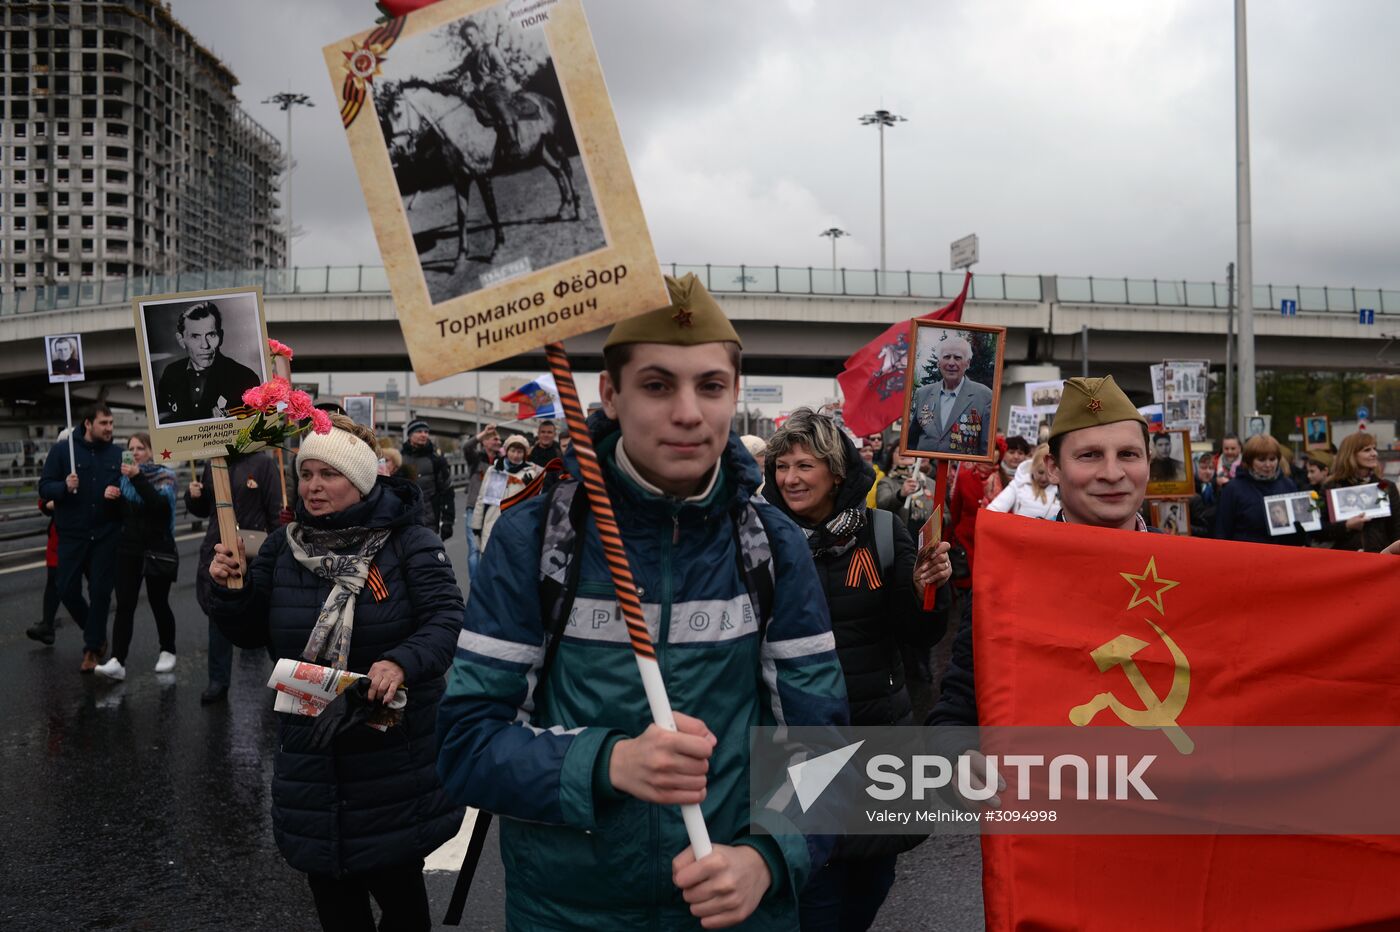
pixel 588 787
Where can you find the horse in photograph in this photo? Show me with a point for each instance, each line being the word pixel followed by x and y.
pixel 413 108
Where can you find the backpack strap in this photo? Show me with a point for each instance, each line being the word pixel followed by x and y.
pixel 882 525
pixel 755 562
pixel 560 563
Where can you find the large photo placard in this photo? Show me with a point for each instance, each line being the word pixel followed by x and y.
pixel 199 352
pixel 495 178
pixel 952 391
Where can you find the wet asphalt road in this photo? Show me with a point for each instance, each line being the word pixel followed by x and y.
pixel 131 806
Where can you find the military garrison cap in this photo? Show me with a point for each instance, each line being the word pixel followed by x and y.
pixel 692 317
pixel 1091 403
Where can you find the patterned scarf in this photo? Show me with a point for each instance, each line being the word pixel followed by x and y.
pixel 343 556
pixel 837 535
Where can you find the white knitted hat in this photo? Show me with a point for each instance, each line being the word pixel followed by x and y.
pixel 345 452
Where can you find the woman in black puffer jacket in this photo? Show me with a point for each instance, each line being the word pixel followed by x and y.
pixel 815 474
pixel 360 813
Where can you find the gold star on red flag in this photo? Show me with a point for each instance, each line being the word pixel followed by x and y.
pixel 1148 587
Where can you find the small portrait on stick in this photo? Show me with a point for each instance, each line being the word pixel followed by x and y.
pixel 64 352
pixel 1317 430
pixel 360 409
pixel 1171 515
pixel 952 391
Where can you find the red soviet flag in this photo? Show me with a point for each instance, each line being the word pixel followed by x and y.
pixel 1270 636
pixel 873 380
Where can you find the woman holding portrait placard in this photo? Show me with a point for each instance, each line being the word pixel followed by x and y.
pixel 1358 463
pixel 1241 513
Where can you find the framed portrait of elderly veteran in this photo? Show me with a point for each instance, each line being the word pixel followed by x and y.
pixel 199 351
pixel 495 177
pixel 952 390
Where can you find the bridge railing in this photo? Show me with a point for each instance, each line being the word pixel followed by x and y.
pixel 742 279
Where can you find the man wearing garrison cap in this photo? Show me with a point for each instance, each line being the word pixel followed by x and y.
pixel 586 785
pixel 1098 458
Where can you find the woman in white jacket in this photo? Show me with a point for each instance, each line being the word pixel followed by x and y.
pixel 1030 493
pixel 507 476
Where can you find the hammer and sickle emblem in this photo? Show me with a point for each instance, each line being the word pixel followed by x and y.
pixel 1157 712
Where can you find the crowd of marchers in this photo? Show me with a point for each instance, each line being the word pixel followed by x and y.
pixel 784 579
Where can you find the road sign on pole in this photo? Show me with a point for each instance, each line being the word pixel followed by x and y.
pixel 1362 413
pixel 763 394
pixel 964 252
pixel 1288 307
pixel 1367 315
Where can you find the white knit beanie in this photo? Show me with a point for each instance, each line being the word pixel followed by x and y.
pixel 345 452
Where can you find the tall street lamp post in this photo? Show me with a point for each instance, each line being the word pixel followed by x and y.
pixel 833 233
pixel 881 119
pixel 286 101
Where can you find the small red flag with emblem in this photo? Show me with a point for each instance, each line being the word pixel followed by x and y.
pixel 1309 642
pixel 873 380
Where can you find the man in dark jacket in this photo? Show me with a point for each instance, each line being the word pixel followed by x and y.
pixel 206 383
pixel 1099 459
pixel 479 452
pixel 546 448
pixel 86 493
pixel 572 761
pixel 257 502
pixel 434 479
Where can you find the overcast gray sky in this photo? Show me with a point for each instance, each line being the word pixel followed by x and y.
pixel 1087 138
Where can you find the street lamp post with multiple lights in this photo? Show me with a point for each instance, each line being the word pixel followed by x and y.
pixel 834 233
pixel 286 101
pixel 881 119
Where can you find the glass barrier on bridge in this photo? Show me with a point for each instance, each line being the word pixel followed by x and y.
pixel 744 279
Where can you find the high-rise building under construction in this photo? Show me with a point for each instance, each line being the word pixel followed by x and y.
pixel 124 151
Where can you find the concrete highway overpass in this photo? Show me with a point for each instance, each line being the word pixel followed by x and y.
pixel 796 322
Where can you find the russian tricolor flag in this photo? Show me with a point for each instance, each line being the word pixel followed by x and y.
pixel 536 399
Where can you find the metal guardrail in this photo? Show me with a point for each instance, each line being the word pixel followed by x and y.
pixel 742 279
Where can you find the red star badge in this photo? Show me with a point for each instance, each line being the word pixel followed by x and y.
pixel 682 317
pixel 165 454
pixel 1095 405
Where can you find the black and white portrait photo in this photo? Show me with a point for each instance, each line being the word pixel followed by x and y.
pixel 200 355
pixel 484 153
pixel 1256 425
pixel 64 352
pixel 360 409
pixel 1044 396
pixel 1352 501
pixel 1169 452
pixel 951 391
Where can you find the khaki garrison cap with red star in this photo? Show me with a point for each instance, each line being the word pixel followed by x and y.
pixel 1091 403
pixel 692 317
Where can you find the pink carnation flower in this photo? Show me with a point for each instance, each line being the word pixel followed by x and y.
pixel 254 398
pixel 279 349
pixel 276 391
pixel 320 421
pixel 299 406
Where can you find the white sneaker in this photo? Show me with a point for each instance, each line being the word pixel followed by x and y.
pixel 166 662
pixel 112 669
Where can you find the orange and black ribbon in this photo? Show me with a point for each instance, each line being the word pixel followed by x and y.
pixel 362 64
pixel 597 491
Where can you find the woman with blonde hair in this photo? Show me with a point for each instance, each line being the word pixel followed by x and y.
pixel 1241 514
pixel 1358 463
pixel 1030 492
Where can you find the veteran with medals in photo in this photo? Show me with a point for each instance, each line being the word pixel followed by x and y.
pixel 953 415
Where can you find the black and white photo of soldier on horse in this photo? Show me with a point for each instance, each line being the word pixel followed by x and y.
pixel 476 104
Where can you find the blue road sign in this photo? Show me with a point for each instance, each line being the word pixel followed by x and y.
pixel 1288 307
pixel 1367 315
pixel 1363 413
